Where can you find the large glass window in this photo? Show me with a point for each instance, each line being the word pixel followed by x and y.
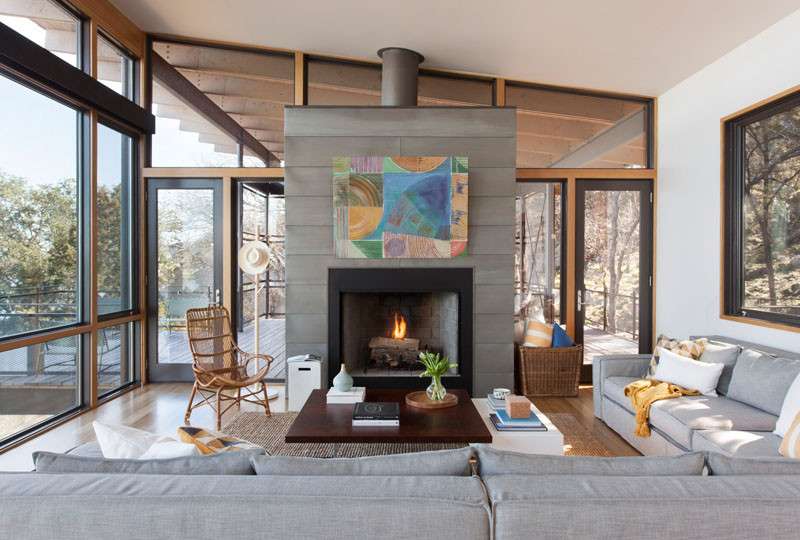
pixel 452 91
pixel 763 213
pixel 115 67
pixel 342 83
pixel 115 348
pixel 38 382
pixel 38 211
pixel 115 172
pixel 538 262
pixel 45 23
pixel 251 87
pixel 570 130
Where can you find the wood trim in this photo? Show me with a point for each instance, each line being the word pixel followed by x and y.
pixel 600 174
pixel 655 216
pixel 143 343
pixel 765 101
pixel 299 79
pixel 93 390
pixel 500 92
pixel 466 74
pixel 122 320
pixel 45 336
pixel 571 258
pixel 721 300
pixel 113 22
pixel 93 49
pixel 212 172
pixel 759 322
pixel 227 243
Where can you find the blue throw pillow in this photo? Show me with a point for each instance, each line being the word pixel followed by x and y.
pixel 560 337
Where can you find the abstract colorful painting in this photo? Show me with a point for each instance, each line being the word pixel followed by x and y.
pixel 400 207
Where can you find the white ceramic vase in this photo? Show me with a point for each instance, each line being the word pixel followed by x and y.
pixel 343 381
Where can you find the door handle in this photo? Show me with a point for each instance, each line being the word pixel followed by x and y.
pixel 216 297
pixel 581 303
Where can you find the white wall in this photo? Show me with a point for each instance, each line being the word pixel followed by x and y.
pixel 688 223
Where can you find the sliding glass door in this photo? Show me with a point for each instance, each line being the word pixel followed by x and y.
pixel 613 274
pixel 184 267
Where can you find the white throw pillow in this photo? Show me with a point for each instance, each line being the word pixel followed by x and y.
pixel 123 442
pixel 789 409
pixel 170 449
pixel 688 373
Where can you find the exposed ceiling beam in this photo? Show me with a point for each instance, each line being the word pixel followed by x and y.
pixel 621 133
pixel 205 107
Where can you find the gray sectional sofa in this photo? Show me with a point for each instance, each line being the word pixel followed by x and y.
pixel 516 496
pixel 738 422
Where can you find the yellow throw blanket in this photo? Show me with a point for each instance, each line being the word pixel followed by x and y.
pixel 645 392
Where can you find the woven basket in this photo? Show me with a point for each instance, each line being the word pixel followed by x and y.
pixel 549 371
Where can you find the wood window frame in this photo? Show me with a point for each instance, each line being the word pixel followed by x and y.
pixel 732 213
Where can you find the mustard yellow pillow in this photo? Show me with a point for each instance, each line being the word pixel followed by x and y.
pixel 538 334
pixel 213 442
pixel 687 348
pixel 790 447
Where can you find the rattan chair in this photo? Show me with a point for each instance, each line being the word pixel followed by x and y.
pixel 220 365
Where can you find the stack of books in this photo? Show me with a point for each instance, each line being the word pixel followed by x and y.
pixel 354 395
pixel 494 403
pixel 503 422
pixel 376 414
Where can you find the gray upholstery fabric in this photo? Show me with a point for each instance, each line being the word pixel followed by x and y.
pixel 496 462
pixel 90 449
pixel 556 507
pixel 618 365
pixel 721 353
pixel 679 417
pixel 623 422
pixel 436 463
pixel 235 463
pixel 737 443
pixel 348 517
pixel 720 465
pixel 762 381
pixel 772 351
pixel 466 489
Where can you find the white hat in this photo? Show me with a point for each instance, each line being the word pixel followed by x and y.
pixel 254 257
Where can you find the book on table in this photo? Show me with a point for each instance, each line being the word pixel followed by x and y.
pixel 495 403
pixel 354 395
pixel 376 414
pixel 503 422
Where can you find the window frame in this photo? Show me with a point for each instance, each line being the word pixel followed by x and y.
pixel 732 213
pixel 135 65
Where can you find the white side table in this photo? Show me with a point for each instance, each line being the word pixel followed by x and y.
pixel 530 442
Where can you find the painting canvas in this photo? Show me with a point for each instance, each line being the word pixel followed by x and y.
pixel 400 207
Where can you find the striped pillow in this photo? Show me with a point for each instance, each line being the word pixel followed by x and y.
pixel 790 447
pixel 538 334
pixel 687 348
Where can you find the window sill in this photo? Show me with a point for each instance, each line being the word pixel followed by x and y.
pixel 759 322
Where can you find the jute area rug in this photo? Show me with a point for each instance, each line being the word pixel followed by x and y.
pixel 267 432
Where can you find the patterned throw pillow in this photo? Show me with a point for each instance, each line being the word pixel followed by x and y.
pixel 687 348
pixel 790 447
pixel 213 442
pixel 538 334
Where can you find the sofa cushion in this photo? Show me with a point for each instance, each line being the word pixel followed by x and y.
pixel 762 381
pixel 436 463
pixel 493 462
pixel 679 417
pixel 225 463
pixel 89 449
pixel 720 465
pixel 721 353
pixel 737 443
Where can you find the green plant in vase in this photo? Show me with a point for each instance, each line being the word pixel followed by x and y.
pixel 435 367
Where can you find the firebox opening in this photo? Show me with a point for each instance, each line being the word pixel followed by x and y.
pixel 384 333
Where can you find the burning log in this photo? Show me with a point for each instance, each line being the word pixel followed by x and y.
pixel 396 350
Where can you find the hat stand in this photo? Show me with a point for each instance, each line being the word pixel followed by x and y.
pixel 272 393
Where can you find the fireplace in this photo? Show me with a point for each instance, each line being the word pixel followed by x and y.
pixel 381 319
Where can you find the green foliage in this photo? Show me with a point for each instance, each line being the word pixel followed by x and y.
pixel 435 366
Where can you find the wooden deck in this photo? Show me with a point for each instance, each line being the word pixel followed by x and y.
pixel 596 342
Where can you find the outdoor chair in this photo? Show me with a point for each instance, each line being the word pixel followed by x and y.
pixel 220 365
pixel 177 306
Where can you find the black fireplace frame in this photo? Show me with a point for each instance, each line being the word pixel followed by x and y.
pixel 402 280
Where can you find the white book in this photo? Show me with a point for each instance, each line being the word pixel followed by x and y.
pixel 354 391
pixel 339 400
pixel 376 423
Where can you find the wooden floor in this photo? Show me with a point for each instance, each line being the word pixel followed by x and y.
pixel 160 407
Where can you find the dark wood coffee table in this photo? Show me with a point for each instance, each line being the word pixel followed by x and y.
pixel 319 422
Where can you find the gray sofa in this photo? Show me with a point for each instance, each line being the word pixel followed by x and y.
pixel 739 422
pixel 516 496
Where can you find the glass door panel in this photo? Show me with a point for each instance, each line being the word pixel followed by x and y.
pixel 185 267
pixel 613 275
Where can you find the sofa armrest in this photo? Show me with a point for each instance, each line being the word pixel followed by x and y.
pixel 615 365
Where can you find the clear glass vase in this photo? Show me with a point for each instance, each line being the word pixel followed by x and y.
pixel 436 391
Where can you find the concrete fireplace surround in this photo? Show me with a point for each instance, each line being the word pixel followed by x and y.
pixel 487 135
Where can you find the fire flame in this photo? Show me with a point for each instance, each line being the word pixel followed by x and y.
pixel 399 328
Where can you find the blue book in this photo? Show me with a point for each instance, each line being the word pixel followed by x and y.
pixel 531 421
